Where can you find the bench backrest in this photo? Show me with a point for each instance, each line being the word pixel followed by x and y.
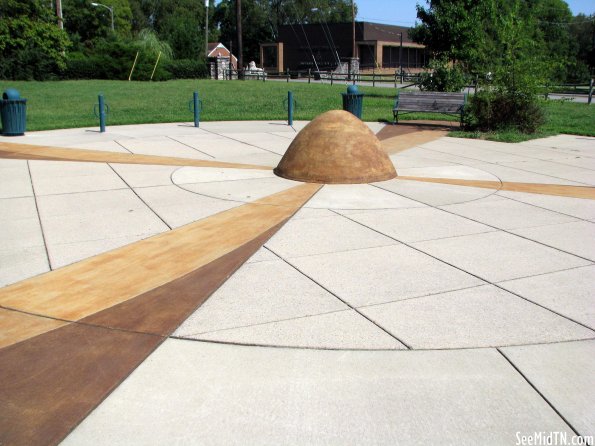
pixel 430 101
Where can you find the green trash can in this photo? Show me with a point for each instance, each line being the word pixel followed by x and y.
pixel 353 101
pixel 13 113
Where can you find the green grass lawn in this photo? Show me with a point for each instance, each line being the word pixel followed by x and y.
pixel 67 104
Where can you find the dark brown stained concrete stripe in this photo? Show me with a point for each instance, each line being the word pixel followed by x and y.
pixel 50 383
pixel 398 138
pixel 531 188
pixel 46 153
pixel 162 310
pixel 403 128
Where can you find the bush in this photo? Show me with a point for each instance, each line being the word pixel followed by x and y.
pixel 186 69
pixel 442 77
pixel 112 59
pixel 502 110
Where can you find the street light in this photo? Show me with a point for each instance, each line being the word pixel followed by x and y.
pixel 111 10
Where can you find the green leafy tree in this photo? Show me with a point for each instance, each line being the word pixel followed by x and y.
pixel 31 44
pixel 85 22
pixel 582 31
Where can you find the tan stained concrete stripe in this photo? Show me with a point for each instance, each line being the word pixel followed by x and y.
pixel 100 282
pixel 531 188
pixel 406 141
pixel 46 153
pixel 16 327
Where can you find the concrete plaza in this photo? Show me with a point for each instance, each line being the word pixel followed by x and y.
pixel 452 305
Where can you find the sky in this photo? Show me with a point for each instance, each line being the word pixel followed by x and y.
pixel 403 13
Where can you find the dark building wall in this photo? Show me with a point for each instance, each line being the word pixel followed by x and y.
pixel 325 43
pixel 329 42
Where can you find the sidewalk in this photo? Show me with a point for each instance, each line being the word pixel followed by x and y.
pixel 173 299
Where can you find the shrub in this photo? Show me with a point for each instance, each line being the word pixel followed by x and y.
pixel 442 77
pixel 502 110
pixel 186 69
pixel 112 59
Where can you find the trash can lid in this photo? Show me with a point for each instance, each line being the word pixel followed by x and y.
pixel 11 94
pixel 352 89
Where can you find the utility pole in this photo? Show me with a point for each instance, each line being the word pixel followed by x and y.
pixel 59 14
pixel 207 29
pixel 240 44
pixel 353 49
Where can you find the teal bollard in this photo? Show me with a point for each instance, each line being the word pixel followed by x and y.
pixel 195 106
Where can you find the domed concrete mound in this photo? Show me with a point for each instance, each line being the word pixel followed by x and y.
pixel 336 147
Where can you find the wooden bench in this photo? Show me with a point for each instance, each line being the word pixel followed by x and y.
pixel 429 101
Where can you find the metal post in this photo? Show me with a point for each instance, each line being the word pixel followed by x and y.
pixel 240 44
pixel 590 92
pixel 401 58
pixel 309 73
pixel 290 108
pixel 287 73
pixel 331 78
pixel 196 109
pixel 373 78
pixel 101 114
pixel 207 31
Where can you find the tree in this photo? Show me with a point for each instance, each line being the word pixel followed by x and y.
pixel 582 31
pixel 453 29
pixel 84 22
pixel 32 45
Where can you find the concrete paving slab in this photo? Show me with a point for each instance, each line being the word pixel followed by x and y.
pixel 62 254
pixel 407 160
pixel 220 147
pixel 453 171
pixel 16 181
pixel 254 158
pixel 366 276
pixel 178 207
pixel 338 330
pixel 479 150
pixel 161 146
pixel 241 191
pixel 258 293
pixel 91 216
pixel 57 177
pixel 507 214
pixel 262 255
pixel 576 237
pixel 577 207
pixel 248 395
pixel 139 175
pixel 571 173
pixel 435 194
pixel 265 141
pixel 189 175
pixel 484 316
pixel 313 213
pixel 570 293
pixel 563 373
pixel 417 224
pixel 310 236
pixel 358 196
pixel 18 208
pixel 20 233
pixel 515 173
pixel 498 256
pixel 104 146
pixel 22 263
